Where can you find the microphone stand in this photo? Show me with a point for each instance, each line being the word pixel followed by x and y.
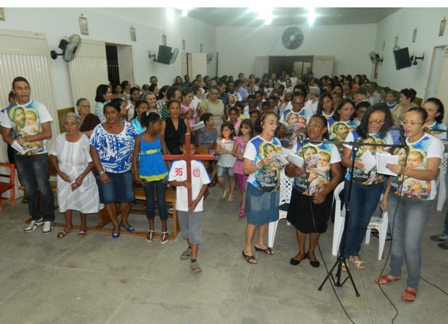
pixel 340 259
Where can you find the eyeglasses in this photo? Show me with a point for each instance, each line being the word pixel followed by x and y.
pixel 314 126
pixel 273 123
pixel 376 122
pixel 410 124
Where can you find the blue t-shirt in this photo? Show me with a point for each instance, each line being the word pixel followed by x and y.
pixel 114 151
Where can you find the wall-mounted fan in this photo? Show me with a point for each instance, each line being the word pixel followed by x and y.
pixel 174 55
pixel 375 58
pixel 152 55
pixel 70 48
pixel 292 38
pixel 209 58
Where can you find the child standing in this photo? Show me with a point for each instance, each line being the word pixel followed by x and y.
pixel 190 218
pixel 233 117
pixel 226 160
pixel 150 171
pixel 246 134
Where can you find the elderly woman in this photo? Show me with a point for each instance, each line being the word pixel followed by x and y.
pixel 151 99
pixel 312 196
pixel 409 198
pixel 76 188
pixel 213 105
pixel 111 148
pixel 103 95
pixel 262 195
pixel 407 96
pixel 89 120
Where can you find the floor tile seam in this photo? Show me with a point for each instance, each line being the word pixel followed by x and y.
pixel 364 295
pixel 95 272
pixel 251 275
pixel 18 289
pixel 194 285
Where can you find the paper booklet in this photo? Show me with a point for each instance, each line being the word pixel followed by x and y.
pixel 382 159
pixel 19 148
pixel 280 161
pixel 295 159
pixel 197 126
pixel 369 161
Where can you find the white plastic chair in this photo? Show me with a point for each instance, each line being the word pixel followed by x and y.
pixel 381 225
pixel 286 184
pixel 339 219
pixel 441 182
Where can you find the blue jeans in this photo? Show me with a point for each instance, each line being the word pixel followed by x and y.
pixel 160 188
pixel 363 202
pixel 33 170
pixel 407 223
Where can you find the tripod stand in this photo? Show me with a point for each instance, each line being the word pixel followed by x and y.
pixel 341 260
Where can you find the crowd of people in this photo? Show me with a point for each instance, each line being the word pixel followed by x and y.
pixel 332 124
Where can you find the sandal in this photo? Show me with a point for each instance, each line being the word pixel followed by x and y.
pixel 267 250
pixel 250 258
pixel 242 213
pixel 164 238
pixel 82 234
pixel 150 236
pixel 63 233
pixel 343 267
pixel 231 197
pixel 224 194
pixel 359 264
pixel 384 280
pixel 408 295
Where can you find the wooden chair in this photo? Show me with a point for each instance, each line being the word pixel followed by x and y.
pixel 5 186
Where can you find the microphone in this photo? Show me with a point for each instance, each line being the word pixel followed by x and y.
pixel 301 138
pixel 403 139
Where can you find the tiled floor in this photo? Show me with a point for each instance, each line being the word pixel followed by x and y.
pixel 102 280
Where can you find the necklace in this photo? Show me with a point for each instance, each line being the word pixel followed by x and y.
pixel 114 129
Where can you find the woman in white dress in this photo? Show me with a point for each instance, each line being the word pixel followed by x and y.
pixel 76 185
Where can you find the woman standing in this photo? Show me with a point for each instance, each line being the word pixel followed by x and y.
pixel 162 99
pixel 213 105
pixel 187 110
pixel 141 109
pixel 134 97
pixel 174 128
pixel 103 95
pixel 76 185
pixel 311 196
pixel 111 147
pixel 325 105
pixel 407 97
pixel 409 198
pixel 367 184
pixel 262 194
pixel 343 121
pixel 89 120
pixel 434 123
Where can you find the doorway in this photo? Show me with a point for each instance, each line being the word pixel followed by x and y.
pixel 299 64
pixel 119 63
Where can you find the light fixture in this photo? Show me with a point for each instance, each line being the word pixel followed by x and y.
pixel 263 14
pixel 311 16
pixel 184 12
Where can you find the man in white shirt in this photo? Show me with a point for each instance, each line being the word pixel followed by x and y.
pixel 31 158
pixel 375 97
pixel 311 104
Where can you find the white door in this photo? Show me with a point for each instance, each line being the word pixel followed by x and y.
pixel 125 65
pixel 198 64
pixel 88 70
pixel 441 93
pixel 261 65
pixel 322 65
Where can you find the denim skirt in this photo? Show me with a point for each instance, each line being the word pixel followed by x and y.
pixel 261 207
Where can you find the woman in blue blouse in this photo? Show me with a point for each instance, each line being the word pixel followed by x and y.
pixel 112 145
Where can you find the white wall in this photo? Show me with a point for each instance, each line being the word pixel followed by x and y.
pixel 112 26
pixel 349 44
pixel 403 23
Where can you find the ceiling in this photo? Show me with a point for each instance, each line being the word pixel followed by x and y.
pixel 238 17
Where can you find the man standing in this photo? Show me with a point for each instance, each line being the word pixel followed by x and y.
pixel 26 127
pixel 242 90
pixel 311 105
pixel 173 93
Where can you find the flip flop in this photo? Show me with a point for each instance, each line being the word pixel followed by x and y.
pixel 249 258
pixel 408 293
pixel 82 234
pixel 224 193
pixel 62 233
pixel 267 250
pixel 387 279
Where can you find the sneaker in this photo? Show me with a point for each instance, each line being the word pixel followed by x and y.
pixel 194 266
pixel 48 227
pixel 186 254
pixel 443 245
pixel 439 238
pixel 33 225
